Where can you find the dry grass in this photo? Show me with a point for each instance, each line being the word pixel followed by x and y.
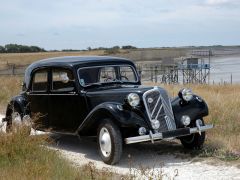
pixel 138 54
pixel 24 157
pixel 9 87
pixel 223 140
pixel 28 157
pixel 27 58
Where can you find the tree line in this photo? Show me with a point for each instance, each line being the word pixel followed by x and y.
pixel 16 48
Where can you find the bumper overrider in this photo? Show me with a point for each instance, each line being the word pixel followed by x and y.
pixel 168 134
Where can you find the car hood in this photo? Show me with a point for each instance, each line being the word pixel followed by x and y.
pixel 113 93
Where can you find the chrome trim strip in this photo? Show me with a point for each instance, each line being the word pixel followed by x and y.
pixel 158 136
pixel 203 128
pixel 155 106
pixel 159 110
pixel 52 94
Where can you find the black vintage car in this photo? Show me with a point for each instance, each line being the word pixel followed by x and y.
pixel 103 97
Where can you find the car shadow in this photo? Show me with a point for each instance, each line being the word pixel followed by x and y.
pixel 148 155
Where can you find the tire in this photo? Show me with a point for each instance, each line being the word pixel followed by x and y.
pixel 109 140
pixel 194 141
pixel 17 116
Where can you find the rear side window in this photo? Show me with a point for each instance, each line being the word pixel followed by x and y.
pixel 62 80
pixel 40 81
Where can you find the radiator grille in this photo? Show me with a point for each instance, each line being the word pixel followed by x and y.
pixel 159 108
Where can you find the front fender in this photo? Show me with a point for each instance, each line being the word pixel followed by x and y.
pixel 122 117
pixel 196 108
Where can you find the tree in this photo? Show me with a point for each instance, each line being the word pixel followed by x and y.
pixel 15 48
pixel 129 47
pixel 115 47
pixel 2 49
pixel 11 48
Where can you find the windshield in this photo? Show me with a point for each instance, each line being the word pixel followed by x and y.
pixel 107 74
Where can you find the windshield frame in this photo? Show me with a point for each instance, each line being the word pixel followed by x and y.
pixel 110 82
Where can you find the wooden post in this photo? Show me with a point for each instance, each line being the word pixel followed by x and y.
pixel 151 71
pixel 13 69
pixel 231 79
pixel 155 74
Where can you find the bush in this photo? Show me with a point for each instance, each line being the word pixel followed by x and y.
pixel 15 48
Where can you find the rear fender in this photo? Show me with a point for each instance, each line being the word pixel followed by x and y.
pixel 17 102
pixel 121 117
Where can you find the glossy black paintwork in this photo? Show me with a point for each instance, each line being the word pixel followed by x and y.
pixel 195 108
pixel 81 110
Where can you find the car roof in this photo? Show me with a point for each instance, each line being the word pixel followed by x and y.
pixel 71 61
pixel 75 60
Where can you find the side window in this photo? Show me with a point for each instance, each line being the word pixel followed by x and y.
pixel 62 80
pixel 107 74
pixel 40 81
pixel 127 74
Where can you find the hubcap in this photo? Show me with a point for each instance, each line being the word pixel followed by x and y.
pixel 105 142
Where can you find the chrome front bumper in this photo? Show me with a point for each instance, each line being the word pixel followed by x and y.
pixel 167 134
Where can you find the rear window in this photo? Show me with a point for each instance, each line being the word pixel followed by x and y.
pixel 62 80
pixel 40 81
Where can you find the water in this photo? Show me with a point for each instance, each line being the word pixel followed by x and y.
pixel 223 67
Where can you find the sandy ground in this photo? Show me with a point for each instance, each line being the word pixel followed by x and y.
pixel 167 158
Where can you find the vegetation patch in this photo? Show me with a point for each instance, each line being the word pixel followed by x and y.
pixel 27 157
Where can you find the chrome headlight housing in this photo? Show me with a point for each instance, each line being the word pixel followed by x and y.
pixel 133 99
pixel 186 94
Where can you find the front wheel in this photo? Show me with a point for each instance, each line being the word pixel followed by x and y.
pixel 109 142
pixel 194 141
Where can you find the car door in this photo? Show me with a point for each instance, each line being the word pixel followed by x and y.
pixel 67 108
pixel 38 98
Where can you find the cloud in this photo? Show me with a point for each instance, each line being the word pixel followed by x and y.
pixel 222 2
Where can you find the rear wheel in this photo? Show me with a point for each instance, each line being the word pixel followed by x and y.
pixel 194 141
pixel 109 142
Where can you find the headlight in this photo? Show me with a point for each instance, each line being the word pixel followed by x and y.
pixel 133 99
pixel 155 124
pixel 186 94
pixel 142 131
pixel 185 120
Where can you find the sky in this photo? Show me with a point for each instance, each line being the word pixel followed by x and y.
pixel 78 24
